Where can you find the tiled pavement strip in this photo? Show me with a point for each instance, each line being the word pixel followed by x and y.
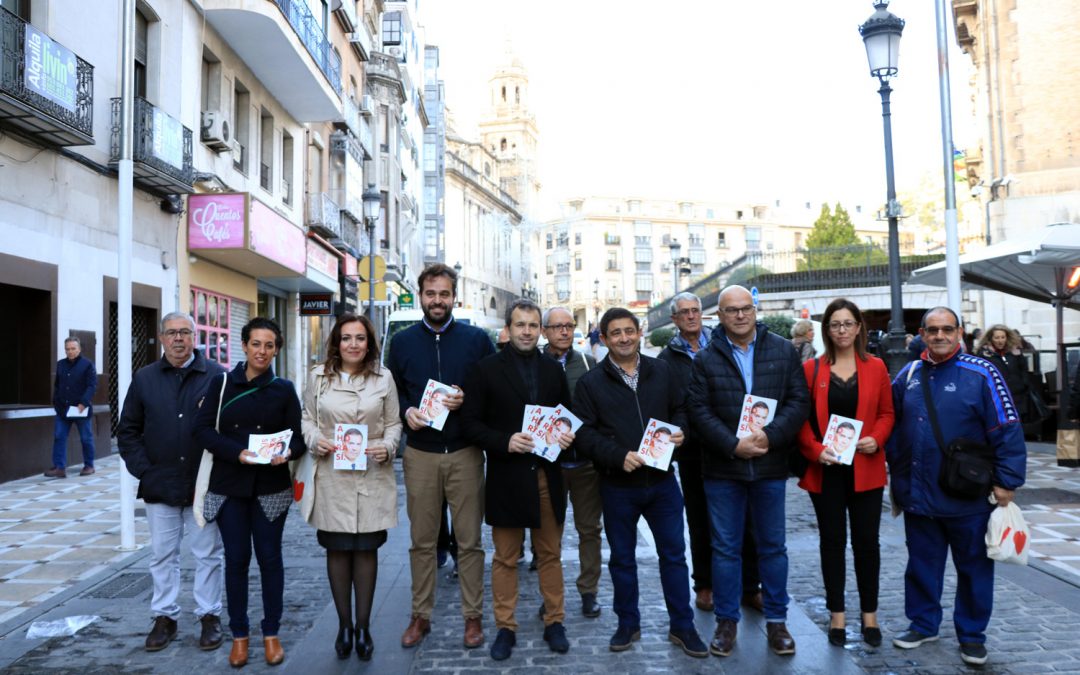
pixel 57 560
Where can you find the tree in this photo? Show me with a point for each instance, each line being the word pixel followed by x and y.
pixel 779 324
pixel 833 243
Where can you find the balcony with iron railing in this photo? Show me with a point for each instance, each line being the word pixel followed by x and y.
pixel 322 214
pixel 47 95
pixel 161 149
pixel 287 49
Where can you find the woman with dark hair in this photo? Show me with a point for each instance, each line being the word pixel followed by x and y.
pixel 352 509
pixel 1003 347
pixel 249 501
pixel 847 381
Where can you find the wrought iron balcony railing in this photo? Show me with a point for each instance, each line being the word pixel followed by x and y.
pixel 323 214
pixel 313 36
pixel 46 90
pixel 161 149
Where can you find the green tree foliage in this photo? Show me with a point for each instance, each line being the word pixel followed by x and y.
pixel 744 275
pixel 833 243
pixel 661 337
pixel 779 324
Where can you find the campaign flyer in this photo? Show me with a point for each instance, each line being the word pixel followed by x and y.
pixel 841 436
pixel 757 412
pixel 656 447
pixel 433 403
pixel 556 422
pixel 267 446
pixel 350 447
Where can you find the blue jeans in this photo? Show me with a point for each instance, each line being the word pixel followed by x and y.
pixel 242 522
pixel 928 542
pixel 729 501
pixel 662 506
pixel 60 437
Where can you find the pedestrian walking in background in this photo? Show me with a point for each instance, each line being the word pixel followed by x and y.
pixel 1002 346
pixel 615 401
pixel 250 501
pixel 74 386
pixel 944 400
pixel 847 381
pixel 352 510
pixel 802 339
pixel 747 474
pixel 579 477
pixel 156 442
pixel 440 465
pixel 522 490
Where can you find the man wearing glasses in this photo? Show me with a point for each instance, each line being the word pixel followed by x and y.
pixel 154 438
pixel 746 477
pixel 973 402
pixel 579 476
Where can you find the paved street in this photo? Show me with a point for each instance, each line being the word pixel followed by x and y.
pixel 52 567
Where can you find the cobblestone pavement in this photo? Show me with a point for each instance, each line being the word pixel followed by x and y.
pixel 1036 613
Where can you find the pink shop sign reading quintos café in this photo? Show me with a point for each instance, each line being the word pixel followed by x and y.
pixel 235 221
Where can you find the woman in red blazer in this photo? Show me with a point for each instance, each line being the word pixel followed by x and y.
pixel 848 382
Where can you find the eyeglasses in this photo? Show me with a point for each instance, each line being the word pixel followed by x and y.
pixel 688 311
pixel 735 311
pixel 944 330
pixel 837 326
pixel 561 327
pixel 183 332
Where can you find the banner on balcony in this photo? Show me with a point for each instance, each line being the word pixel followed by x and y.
pixel 168 137
pixel 50 69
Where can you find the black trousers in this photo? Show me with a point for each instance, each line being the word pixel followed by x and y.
pixel 837 502
pixel 697 520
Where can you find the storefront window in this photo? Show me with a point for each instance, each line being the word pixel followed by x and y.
pixel 211 324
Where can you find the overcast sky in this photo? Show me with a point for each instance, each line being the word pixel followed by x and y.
pixel 707 99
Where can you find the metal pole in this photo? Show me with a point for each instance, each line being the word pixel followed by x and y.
pixel 895 353
pixel 371 270
pixel 952 240
pixel 125 203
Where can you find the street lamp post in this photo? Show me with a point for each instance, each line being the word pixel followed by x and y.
pixel 676 247
pixel 881 36
pixel 596 300
pixel 372 200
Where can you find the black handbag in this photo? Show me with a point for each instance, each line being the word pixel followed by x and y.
pixel 797 462
pixel 967 469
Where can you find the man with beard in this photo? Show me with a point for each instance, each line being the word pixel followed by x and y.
pixel 440 465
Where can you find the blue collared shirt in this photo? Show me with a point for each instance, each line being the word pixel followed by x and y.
pixel 745 361
pixel 438 330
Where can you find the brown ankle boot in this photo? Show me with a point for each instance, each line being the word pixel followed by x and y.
pixel 238 656
pixel 274 653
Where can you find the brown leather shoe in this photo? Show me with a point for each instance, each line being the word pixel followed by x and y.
pixel 87 471
pixel 754 601
pixel 274 653
pixel 238 656
pixel 474 632
pixel 780 640
pixel 418 628
pixel 211 637
pixel 56 472
pixel 724 638
pixel 704 600
pixel 161 634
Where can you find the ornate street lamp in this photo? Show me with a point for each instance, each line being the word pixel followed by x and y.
pixel 675 247
pixel 881 35
pixel 372 201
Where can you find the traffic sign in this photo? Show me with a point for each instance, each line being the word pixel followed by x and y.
pixel 363 268
pixel 754 294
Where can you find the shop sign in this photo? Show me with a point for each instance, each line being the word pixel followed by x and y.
pixel 318 258
pixel 274 237
pixel 216 220
pixel 168 139
pixel 350 266
pixel 405 300
pixel 50 69
pixel 316 304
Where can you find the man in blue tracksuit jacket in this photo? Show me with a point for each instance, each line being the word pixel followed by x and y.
pixel 440 465
pixel 972 402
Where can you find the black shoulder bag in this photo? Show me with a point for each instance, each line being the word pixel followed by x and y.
pixel 967 469
pixel 797 462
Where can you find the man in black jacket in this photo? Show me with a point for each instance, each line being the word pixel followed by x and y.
pixel 579 476
pixel 440 465
pixel 522 490
pixel 156 443
pixel 615 401
pixel 747 474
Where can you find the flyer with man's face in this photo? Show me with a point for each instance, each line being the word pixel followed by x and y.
pixel 433 403
pixel 267 446
pixel 656 447
pixel 841 436
pixel 350 447
pixel 757 412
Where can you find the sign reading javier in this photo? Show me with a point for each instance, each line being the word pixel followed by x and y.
pixel 50 69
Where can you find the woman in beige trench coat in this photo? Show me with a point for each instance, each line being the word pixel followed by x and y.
pixel 352 509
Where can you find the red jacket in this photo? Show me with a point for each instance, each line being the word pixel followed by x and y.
pixel 875 410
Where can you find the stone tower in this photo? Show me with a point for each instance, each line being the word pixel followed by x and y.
pixel 509 131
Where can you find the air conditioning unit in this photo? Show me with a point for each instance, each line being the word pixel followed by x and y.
pixel 367 104
pixel 237 152
pixel 216 132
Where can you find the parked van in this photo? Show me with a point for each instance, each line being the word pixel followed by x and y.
pixel 403 318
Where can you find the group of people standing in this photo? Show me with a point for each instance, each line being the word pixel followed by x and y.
pixel 482 465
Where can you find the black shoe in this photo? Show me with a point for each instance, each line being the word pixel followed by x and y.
pixel 364 645
pixel 837 637
pixel 624 638
pixel 555 636
pixel 161 634
pixel 211 637
pixel 912 639
pixel 724 638
pixel 973 653
pixel 589 607
pixel 344 642
pixel 871 635
pixel 504 643
pixel 690 642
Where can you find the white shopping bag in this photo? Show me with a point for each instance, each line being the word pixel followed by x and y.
pixel 1007 535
